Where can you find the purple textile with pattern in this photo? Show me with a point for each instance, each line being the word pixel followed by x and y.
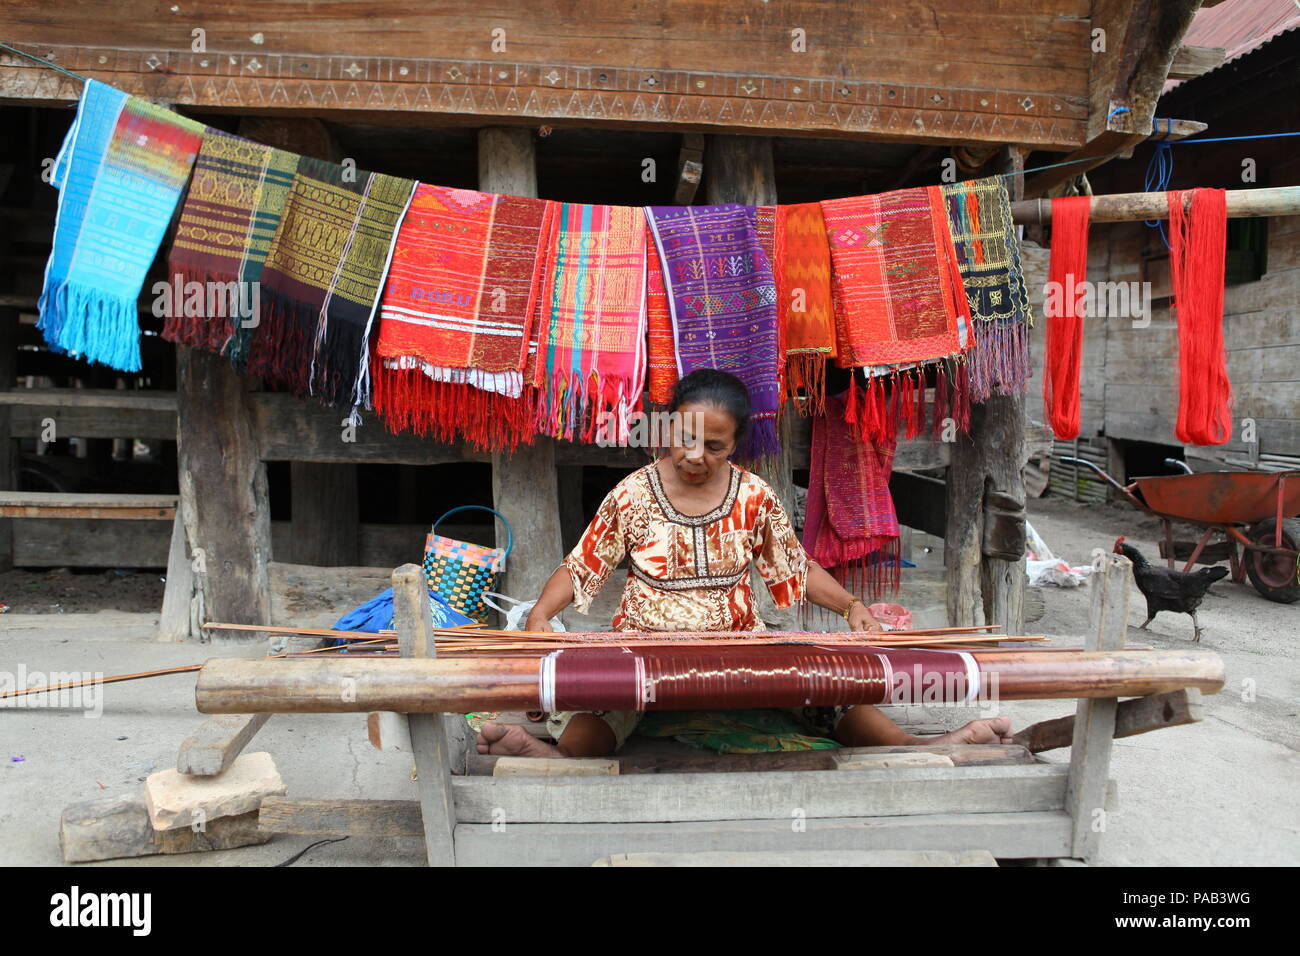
pixel 722 296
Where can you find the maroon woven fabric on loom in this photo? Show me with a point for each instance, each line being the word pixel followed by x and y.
pixel 850 527
pixel 682 678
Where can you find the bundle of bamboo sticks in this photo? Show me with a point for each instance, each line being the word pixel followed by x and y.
pixel 473 639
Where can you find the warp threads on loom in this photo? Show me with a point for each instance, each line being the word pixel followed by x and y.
pixel 682 678
pixel 1198 227
pixel 1064 354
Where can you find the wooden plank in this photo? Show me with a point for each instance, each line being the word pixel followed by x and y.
pixel 325 508
pixel 1138 716
pixel 968 755
pixel 53 504
pixel 760 796
pixel 90 543
pixel 885 69
pixel 428 740
pixel 177 620
pixel 890 858
pixel 218 741
pixel 555 767
pixel 115 399
pixel 1005 835
pixel 324 818
pixel 1192 61
pixel 1094 726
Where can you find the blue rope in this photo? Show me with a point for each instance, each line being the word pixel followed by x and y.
pixel 1160 172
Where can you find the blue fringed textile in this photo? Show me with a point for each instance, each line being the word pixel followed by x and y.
pixel 120 173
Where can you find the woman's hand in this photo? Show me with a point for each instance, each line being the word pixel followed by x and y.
pixel 537 622
pixel 860 619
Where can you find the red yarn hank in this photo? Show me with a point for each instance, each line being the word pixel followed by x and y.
pixel 1069 267
pixel 1198 227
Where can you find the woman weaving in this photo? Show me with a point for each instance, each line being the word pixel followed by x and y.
pixel 690 524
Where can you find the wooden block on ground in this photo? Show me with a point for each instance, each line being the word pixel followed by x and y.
pixel 217 743
pixel 324 818
pixel 886 761
pixel 805 858
pixel 554 767
pixel 178 800
pixel 116 828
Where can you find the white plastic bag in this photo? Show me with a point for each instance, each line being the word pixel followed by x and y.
pixel 516 612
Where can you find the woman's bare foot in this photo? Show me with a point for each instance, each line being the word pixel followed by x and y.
pixel 994 730
pixel 511 740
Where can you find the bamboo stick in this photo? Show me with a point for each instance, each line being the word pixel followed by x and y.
pixel 1136 207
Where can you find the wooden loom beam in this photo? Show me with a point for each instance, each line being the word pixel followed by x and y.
pixel 468 684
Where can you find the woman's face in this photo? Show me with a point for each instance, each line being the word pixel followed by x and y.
pixel 704 436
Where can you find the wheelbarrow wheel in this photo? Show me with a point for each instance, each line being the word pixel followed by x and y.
pixel 1274 575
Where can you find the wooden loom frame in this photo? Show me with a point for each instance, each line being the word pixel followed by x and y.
pixel 1042 811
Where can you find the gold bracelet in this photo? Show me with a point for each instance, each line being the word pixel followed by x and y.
pixel 848 609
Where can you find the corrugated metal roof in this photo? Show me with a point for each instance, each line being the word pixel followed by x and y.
pixel 1240 26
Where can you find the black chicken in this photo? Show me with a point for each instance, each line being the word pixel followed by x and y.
pixel 1168 590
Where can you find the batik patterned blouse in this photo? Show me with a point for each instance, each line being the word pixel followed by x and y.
pixel 689 572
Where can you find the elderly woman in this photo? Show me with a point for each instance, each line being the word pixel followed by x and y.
pixel 690 524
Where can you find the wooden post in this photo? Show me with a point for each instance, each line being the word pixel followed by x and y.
pixel 428 742
pixel 1094 721
pixel 178 620
pixel 740 169
pixel 326 524
pixel 8 447
pixel 223 497
pixel 985 501
pixel 524 486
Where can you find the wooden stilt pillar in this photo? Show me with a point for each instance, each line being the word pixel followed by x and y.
pixel 524 486
pixel 8 447
pixel 984 541
pixel 223 497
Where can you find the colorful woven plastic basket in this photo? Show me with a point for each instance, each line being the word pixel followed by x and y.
pixel 461 571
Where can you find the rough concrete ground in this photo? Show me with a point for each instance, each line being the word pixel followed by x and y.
pixel 1221 792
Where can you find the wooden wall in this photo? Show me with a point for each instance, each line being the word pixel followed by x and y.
pixel 888 69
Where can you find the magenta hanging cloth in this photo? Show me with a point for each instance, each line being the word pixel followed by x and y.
pixel 722 296
pixel 850 527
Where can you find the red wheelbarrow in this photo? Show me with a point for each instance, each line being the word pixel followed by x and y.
pixel 1256 510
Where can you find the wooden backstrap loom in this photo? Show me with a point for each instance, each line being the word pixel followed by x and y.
pixel 884 804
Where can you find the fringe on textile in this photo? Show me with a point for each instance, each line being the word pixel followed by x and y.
pixel 586 409
pixel 897 400
pixel 805 372
pixel 407 399
pixel 999 360
pixel 336 362
pixel 279 353
pixel 96 326
pixel 201 331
